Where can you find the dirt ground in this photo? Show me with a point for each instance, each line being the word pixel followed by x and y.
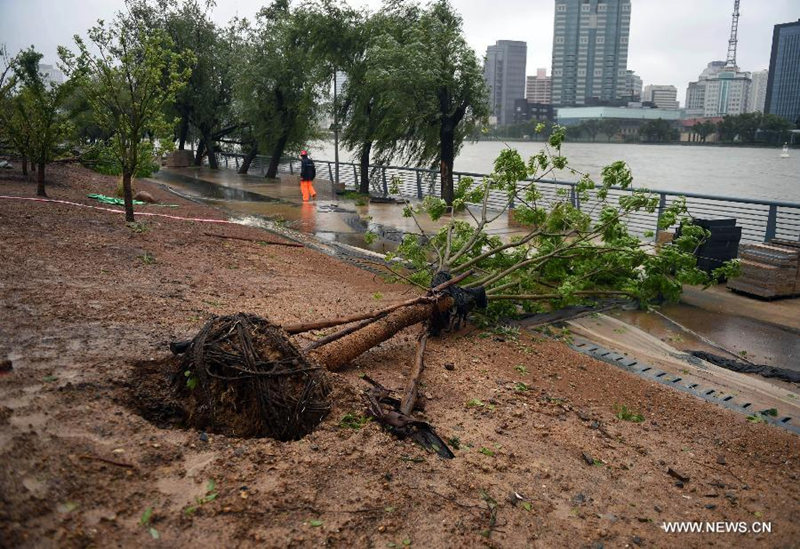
pixel 87 303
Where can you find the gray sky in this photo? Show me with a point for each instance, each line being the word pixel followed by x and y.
pixel 671 41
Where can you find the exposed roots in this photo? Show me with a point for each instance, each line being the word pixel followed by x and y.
pixel 243 376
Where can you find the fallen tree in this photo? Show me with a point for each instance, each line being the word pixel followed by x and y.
pixel 574 248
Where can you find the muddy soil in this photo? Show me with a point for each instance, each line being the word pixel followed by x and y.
pixel 88 305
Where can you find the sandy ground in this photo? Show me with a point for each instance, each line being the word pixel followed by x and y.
pixel 86 301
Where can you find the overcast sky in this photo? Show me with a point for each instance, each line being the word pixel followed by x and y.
pixel 671 41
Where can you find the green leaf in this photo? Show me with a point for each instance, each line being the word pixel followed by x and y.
pixel 527 505
pixel 154 533
pixel 315 523
pixel 145 518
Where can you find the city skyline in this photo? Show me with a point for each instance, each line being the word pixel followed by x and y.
pixel 670 43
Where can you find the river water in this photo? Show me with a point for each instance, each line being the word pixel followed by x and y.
pixel 742 172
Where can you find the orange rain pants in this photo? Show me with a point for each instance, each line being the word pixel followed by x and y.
pixel 308 190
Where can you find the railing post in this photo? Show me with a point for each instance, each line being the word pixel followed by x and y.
pixel 419 184
pixel 330 172
pixel 662 205
pixel 356 182
pixel 291 168
pixel 772 223
pixel 236 159
pixel 385 184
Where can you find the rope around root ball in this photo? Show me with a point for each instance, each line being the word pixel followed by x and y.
pixel 250 380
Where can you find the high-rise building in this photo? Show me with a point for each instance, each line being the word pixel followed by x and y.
pixel 633 86
pixel 539 88
pixel 783 85
pixel 696 91
pixel 505 77
pixel 758 91
pixel 590 51
pixel 720 89
pixel 664 97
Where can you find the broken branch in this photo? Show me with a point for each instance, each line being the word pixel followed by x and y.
pixel 410 394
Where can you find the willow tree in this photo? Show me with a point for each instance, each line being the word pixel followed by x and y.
pixel 280 82
pixel 373 108
pixel 134 75
pixel 204 104
pixel 439 85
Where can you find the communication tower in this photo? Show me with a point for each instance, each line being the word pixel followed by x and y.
pixel 731 62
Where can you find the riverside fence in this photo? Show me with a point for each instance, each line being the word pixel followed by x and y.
pixel 760 220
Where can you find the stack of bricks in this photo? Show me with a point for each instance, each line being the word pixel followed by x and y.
pixel 769 270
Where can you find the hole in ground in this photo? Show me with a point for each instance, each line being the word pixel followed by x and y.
pixel 241 376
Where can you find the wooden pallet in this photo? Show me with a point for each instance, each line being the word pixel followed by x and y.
pixel 768 270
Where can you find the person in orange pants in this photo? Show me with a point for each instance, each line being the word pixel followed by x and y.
pixel 307 174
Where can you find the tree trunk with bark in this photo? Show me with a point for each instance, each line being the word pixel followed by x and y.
pixel 40 179
pixel 212 154
pixel 127 195
pixel 201 151
pixel 363 185
pixel 338 353
pixel 24 165
pixel 448 157
pixel 275 159
pixel 248 159
pixel 183 132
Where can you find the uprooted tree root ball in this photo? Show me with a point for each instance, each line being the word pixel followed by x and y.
pixel 242 376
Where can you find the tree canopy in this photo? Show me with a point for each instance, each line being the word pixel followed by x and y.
pixel 575 245
pixel 128 84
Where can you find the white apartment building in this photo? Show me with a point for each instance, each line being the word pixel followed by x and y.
pixel 663 96
pixel 538 89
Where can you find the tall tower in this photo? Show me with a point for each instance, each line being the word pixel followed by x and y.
pixel 504 72
pixel 731 62
pixel 590 51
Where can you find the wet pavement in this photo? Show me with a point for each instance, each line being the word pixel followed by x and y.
pixel 330 217
pixel 744 338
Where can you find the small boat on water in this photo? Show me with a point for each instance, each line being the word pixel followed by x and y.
pixel 785 151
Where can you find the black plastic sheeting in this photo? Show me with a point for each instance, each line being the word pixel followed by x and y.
pixel 745 368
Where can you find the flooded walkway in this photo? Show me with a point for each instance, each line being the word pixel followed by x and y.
pixel 330 217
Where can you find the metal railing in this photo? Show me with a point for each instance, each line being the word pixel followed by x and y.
pixel 760 220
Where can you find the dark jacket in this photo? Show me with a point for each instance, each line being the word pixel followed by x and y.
pixel 307 170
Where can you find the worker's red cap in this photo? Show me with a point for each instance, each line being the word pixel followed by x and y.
pixel 303 153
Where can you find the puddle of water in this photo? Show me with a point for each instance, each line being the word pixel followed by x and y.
pixel 330 221
pixel 757 341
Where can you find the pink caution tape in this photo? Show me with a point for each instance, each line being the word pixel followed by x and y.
pixel 66 202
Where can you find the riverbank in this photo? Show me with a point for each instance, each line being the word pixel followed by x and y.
pixel 544 455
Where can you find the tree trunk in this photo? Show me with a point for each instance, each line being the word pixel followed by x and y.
pixel 248 159
pixel 448 156
pixel 342 351
pixel 24 165
pixel 127 195
pixel 40 179
pixel 212 154
pixel 277 152
pixel 183 132
pixel 363 186
pixel 201 149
